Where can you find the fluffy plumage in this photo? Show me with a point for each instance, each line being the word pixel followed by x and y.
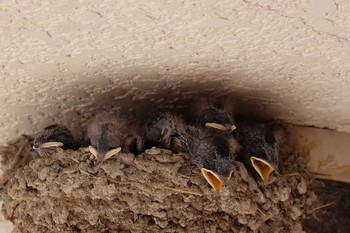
pixel 217 119
pixel 109 134
pixel 160 131
pixel 53 137
pixel 259 147
pixel 212 153
pixel 215 114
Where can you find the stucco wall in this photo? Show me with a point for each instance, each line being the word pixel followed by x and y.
pixel 60 60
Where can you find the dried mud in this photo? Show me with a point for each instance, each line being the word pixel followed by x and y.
pixel 156 191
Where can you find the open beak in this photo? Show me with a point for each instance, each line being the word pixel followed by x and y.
pixel 221 127
pixel 263 167
pixel 213 179
pixel 48 145
pixel 103 157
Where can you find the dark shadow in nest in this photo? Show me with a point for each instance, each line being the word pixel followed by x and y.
pixel 333 215
pixel 183 96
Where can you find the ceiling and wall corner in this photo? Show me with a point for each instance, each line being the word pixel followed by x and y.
pixel 61 61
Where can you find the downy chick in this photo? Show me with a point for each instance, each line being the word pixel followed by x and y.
pixel 160 131
pixel 105 133
pixel 53 137
pixel 109 134
pixel 214 154
pixel 259 147
pixel 217 119
pixel 215 114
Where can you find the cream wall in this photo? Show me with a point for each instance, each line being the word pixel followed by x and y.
pixel 61 60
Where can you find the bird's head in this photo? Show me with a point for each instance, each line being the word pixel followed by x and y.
pixel 105 141
pixel 212 153
pixel 218 119
pixel 216 161
pixel 51 138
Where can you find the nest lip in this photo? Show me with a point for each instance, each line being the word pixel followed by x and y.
pixel 157 173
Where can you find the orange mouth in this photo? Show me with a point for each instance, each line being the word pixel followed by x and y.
pixel 213 179
pixel 262 167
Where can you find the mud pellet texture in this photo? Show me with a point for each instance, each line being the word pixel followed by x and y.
pixel 156 191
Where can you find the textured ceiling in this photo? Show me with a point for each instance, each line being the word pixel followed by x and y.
pixel 63 60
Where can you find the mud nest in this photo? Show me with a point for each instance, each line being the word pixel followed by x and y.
pixel 156 191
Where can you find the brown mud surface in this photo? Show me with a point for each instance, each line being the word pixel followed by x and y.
pixel 333 216
pixel 156 191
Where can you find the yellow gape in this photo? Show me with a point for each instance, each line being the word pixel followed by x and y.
pixel 262 167
pixel 213 179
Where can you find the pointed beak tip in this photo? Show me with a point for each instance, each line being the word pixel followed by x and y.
pixel 264 180
pixel 217 189
pixel 233 127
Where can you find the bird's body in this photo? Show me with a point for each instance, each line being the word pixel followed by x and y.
pixel 212 153
pixel 259 147
pixel 161 131
pixel 53 137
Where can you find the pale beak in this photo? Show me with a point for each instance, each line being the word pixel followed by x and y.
pixel 213 179
pixel 111 153
pixel 93 151
pixel 48 145
pixel 221 127
pixel 101 157
pixel 262 167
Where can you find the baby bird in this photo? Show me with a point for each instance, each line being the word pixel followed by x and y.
pixel 160 131
pixel 212 153
pixel 259 147
pixel 105 133
pixel 53 137
pixel 109 134
pixel 215 114
pixel 218 119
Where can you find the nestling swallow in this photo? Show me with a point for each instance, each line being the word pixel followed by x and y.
pixel 53 137
pixel 259 147
pixel 215 114
pixel 161 131
pixel 218 119
pixel 106 133
pixel 212 153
